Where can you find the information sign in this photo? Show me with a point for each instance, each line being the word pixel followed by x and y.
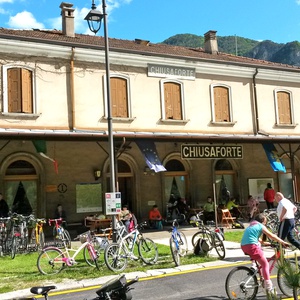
pixel 113 203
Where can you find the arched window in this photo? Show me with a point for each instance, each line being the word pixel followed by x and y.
pixel 119 97
pixel 221 104
pixel 284 108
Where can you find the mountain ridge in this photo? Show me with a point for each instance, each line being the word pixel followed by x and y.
pixel 268 50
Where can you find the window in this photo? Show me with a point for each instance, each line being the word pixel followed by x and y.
pixel 18 90
pixel 221 104
pixel 284 108
pixel 120 97
pixel 172 101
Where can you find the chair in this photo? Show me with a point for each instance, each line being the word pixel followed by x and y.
pixel 227 218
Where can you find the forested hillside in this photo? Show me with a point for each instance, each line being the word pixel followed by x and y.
pixel 288 53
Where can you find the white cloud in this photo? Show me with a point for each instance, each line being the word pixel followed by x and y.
pixel 298 2
pixel 6 1
pixel 24 20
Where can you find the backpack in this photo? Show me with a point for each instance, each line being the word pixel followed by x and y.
pixel 238 224
pixel 201 247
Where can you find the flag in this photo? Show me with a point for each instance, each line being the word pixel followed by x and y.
pixel 273 158
pixel 149 151
pixel 41 148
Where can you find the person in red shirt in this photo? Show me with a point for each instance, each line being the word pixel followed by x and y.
pixel 155 218
pixel 269 196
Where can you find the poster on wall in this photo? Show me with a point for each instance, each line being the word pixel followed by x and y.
pixel 88 197
pixel 257 187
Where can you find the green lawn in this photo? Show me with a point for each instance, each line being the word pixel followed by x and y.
pixel 22 272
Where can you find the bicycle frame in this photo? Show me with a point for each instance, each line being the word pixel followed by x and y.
pixel 133 234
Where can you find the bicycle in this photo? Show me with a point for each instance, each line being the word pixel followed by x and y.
pixel 178 243
pixel 116 255
pixel 60 234
pixel 52 259
pixel 37 238
pixel 3 235
pixel 18 240
pixel 116 288
pixel 213 236
pixel 243 282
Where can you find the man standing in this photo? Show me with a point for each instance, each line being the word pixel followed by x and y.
pixel 269 195
pixel 286 215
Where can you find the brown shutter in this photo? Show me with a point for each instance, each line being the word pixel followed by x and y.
pixel 14 90
pixel 221 103
pixel 26 91
pixel 284 108
pixel 119 101
pixel 172 101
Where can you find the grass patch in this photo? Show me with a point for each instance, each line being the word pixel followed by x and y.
pixel 22 273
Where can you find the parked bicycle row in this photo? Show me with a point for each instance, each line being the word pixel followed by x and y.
pixel 22 234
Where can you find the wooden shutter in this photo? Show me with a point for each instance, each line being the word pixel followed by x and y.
pixel 14 90
pixel 221 104
pixel 20 96
pixel 284 108
pixel 26 91
pixel 119 101
pixel 172 101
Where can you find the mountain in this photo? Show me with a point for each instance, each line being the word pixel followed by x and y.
pixel 288 53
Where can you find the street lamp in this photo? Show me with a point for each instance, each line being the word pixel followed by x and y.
pixel 94 18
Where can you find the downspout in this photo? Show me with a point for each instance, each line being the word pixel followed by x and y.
pixel 256 120
pixel 72 122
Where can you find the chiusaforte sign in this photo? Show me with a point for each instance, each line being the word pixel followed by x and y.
pixel 196 151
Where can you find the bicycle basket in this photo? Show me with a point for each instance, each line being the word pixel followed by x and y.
pixel 83 238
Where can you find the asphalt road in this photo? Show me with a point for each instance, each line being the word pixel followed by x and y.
pixel 203 284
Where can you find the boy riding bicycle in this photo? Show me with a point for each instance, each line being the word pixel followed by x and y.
pixel 251 245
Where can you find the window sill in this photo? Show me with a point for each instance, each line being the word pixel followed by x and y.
pixel 229 124
pixel 286 125
pixel 120 120
pixel 172 121
pixel 21 116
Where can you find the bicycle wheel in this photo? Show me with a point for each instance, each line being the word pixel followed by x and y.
pixel 115 257
pixel 50 261
pixel 66 237
pixel 282 282
pixel 88 257
pixel 202 234
pixel 219 246
pixel 148 251
pixel 182 241
pixel 13 247
pixel 175 252
pixel 241 283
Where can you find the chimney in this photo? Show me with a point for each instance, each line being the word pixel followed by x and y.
pixel 210 42
pixel 67 13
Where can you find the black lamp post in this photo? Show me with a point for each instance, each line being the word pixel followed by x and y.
pixel 94 18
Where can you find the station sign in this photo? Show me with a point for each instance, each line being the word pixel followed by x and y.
pixel 197 151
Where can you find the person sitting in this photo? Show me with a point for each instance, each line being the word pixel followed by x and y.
pixel 60 213
pixel 155 218
pixel 209 210
pixel 252 204
pixel 233 207
pixel 125 216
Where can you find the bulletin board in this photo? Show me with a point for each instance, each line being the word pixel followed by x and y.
pixel 88 197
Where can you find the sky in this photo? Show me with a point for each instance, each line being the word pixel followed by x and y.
pixel 157 20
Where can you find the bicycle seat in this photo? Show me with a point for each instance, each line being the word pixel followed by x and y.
pixel 42 290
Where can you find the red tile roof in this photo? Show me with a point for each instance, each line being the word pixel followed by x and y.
pixel 118 45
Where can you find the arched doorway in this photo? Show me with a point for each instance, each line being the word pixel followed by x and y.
pixel 125 182
pixel 176 184
pixel 225 181
pixel 21 187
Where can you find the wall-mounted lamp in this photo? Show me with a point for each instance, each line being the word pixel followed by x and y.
pixel 97 174
pixel 148 171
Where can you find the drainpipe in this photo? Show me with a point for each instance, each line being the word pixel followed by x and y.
pixel 72 122
pixel 256 120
